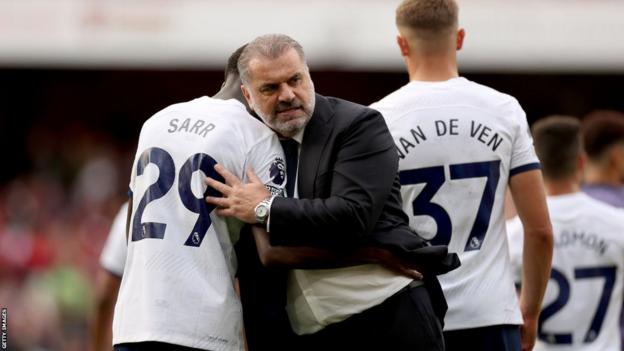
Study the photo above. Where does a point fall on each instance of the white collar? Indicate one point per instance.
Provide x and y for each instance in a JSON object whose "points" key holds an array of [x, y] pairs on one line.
{"points": [[299, 136]]}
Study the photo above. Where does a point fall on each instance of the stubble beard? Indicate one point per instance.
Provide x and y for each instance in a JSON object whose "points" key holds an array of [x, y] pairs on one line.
{"points": [[290, 127]]}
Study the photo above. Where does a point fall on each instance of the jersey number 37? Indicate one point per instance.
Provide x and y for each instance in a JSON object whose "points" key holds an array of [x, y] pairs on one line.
{"points": [[434, 178]]}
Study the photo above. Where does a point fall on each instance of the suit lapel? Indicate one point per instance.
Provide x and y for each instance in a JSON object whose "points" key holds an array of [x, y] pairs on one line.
{"points": [[314, 141]]}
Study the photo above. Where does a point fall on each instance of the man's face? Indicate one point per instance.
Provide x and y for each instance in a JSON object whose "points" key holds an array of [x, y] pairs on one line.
{"points": [[281, 92]]}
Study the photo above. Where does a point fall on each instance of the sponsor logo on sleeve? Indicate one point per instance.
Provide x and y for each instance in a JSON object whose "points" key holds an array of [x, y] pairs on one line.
{"points": [[277, 171]]}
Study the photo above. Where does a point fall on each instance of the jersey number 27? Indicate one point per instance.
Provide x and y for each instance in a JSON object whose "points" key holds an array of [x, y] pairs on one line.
{"points": [[608, 273]]}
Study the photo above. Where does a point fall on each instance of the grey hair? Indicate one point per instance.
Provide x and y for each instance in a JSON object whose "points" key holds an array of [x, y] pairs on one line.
{"points": [[270, 46]]}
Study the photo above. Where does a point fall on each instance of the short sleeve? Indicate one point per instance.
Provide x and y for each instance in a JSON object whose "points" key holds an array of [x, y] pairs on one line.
{"points": [[113, 257], [267, 160], [523, 156]]}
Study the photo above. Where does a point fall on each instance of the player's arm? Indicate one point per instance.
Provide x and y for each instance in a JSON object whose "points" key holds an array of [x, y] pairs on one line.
{"points": [[529, 197], [318, 258], [106, 296], [112, 262]]}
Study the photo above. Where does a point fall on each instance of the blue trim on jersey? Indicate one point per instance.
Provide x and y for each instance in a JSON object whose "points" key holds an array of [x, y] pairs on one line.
{"points": [[527, 167], [130, 193]]}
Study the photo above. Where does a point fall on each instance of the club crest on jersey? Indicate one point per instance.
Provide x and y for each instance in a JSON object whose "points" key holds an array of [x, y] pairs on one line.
{"points": [[277, 171], [196, 239], [475, 243]]}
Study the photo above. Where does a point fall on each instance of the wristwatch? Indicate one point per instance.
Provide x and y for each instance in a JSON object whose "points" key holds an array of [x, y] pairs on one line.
{"points": [[262, 210]]}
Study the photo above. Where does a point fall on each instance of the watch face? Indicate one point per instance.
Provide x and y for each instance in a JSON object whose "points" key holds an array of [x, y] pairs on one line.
{"points": [[261, 211]]}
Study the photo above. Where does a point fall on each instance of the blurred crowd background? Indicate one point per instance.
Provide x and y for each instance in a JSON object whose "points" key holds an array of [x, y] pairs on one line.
{"points": [[70, 118]]}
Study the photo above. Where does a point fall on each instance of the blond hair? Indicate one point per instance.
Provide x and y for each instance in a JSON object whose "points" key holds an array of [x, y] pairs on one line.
{"points": [[428, 19]]}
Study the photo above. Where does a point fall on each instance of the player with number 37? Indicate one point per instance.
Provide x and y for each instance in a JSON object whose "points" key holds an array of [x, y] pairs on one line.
{"points": [[461, 144]]}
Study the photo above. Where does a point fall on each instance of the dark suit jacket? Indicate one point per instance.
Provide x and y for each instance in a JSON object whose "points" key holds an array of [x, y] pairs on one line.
{"points": [[347, 169]]}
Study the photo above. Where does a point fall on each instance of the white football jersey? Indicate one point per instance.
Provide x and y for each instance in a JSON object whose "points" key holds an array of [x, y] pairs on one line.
{"points": [[178, 283], [581, 308], [458, 143], [113, 257]]}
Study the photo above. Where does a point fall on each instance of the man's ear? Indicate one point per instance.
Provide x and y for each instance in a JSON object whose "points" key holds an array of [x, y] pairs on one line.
{"points": [[403, 45], [461, 34], [247, 96]]}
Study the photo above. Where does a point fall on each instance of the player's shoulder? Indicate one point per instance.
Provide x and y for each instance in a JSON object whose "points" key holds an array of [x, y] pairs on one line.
{"points": [[605, 212], [455, 92], [226, 110], [607, 220], [501, 106], [231, 113], [490, 96], [178, 108], [397, 101], [580, 209]]}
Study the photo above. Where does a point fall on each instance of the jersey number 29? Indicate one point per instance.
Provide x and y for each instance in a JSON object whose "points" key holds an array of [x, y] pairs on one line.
{"points": [[166, 176]]}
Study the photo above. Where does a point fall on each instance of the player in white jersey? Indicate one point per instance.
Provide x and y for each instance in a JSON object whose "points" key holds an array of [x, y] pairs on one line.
{"points": [[177, 290], [112, 262], [113, 257], [460, 145], [583, 300]]}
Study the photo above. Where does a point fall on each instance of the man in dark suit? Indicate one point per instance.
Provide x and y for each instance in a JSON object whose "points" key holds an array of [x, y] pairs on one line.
{"points": [[346, 197]]}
